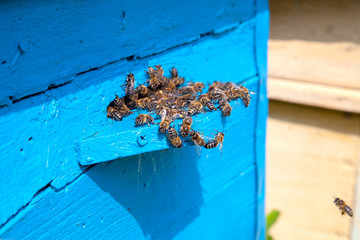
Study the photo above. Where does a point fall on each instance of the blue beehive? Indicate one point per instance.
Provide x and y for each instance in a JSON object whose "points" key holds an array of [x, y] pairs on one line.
{"points": [[61, 65]]}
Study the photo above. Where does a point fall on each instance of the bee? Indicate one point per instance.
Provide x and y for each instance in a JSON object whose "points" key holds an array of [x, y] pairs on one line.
{"points": [[197, 138], [114, 113], [152, 105], [121, 106], [218, 141], [143, 102], [195, 107], [343, 207], [175, 77], [143, 90], [130, 82], [154, 81], [225, 108], [215, 94], [245, 96], [198, 86], [206, 102], [165, 121], [168, 86], [164, 81], [174, 138], [143, 118], [187, 90], [186, 125]]}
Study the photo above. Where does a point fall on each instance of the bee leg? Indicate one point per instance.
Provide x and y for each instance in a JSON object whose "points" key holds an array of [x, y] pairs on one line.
{"points": [[148, 124]]}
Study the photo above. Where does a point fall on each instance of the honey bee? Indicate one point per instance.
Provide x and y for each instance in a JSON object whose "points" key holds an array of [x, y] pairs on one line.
{"points": [[198, 86], [186, 125], [143, 102], [195, 107], [114, 113], [143, 90], [206, 102], [165, 121], [154, 81], [130, 82], [187, 90], [152, 105], [175, 77], [197, 138], [164, 81], [143, 118], [225, 108], [343, 207], [174, 138], [218, 141], [121, 106]]}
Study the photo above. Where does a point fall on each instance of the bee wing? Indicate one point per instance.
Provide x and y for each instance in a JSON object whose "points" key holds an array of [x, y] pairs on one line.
{"points": [[198, 149]]}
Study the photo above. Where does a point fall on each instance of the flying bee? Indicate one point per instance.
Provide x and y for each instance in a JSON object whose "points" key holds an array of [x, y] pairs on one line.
{"points": [[218, 141], [175, 77], [198, 86], [143, 118], [206, 102], [143, 90], [195, 107], [114, 113], [343, 207], [154, 81], [225, 108], [186, 125]]}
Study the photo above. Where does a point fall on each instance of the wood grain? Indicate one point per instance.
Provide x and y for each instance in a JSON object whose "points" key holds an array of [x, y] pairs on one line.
{"points": [[45, 151], [48, 43], [312, 156]]}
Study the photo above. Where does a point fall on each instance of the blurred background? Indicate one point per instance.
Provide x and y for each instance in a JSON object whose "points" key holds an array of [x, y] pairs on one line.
{"points": [[313, 138]]}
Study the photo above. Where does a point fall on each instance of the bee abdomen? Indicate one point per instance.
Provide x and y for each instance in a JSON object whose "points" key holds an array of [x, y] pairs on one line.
{"points": [[348, 210], [211, 144]]}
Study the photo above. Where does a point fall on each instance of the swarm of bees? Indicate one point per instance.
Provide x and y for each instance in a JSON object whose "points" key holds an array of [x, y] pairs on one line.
{"points": [[169, 100]]}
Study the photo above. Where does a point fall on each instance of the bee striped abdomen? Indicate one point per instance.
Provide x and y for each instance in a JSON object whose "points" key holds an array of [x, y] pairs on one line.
{"points": [[211, 144]]}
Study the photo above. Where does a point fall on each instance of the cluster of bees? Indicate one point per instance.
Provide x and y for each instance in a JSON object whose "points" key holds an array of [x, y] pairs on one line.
{"points": [[169, 100]]}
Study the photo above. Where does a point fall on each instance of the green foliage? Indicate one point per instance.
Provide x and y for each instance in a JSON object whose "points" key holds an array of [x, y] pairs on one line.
{"points": [[270, 220]]}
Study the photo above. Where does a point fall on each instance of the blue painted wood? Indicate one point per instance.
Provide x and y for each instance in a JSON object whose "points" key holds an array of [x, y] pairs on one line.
{"points": [[50, 42], [62, 116], [161, 193]]}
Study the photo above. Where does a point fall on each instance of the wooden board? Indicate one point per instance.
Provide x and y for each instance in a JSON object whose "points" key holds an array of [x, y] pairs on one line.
{"points": [[312, 156], [149, 192], [48, 43], [314, 57]]}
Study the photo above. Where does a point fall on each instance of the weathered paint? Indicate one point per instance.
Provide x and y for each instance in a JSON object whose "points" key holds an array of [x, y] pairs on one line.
{"points": [[72, 37], [170, 193]]}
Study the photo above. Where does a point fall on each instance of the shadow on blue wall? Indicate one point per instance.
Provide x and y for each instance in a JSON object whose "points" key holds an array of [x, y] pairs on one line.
{"points": [[161, 190]]}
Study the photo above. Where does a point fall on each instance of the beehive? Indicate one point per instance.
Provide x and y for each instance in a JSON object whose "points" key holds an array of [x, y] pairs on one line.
{"points": [[61, 65]]}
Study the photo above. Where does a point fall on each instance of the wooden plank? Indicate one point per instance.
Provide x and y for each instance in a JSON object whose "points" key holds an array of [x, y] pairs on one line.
{"points": [[306, 145], [172, 194], [313, 94], [49, 42], [39, 132], [333, 64]]}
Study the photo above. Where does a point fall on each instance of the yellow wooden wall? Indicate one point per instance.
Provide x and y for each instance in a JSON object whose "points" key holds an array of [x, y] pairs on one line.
{"points": [[313, 136]]}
